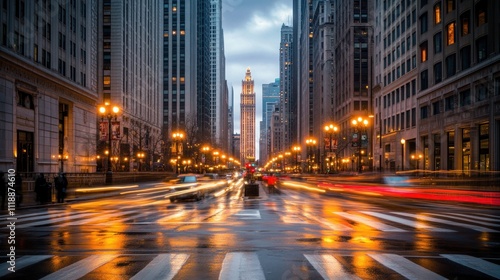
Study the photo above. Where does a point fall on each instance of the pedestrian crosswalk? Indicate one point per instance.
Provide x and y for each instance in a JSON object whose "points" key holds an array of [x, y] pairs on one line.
{"points": [[253, 265], [384, 221]]}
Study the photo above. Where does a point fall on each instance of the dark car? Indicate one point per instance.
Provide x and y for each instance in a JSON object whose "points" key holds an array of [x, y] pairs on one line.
{"points": [[188, 188]]}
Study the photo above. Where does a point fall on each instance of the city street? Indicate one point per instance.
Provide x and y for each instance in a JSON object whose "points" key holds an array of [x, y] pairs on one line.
{"points": [[293, 234]]}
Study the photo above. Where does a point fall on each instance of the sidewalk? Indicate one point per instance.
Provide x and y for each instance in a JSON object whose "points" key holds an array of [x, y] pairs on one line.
{"points": [[73, 194]]}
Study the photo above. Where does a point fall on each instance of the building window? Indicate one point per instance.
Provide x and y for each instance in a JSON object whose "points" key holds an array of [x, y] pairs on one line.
{"points": [[481, 92], [438, 43], [423, 23], [451, 67], [465, 98], [435, 108], [437, 13], [25, 100], [450, 31], [465, 57], [481, 18], [423, 52], [107, 82], [481, 46], [484, 151], [424, 112], [438, 72], [451, 150], [424, 80], [464, 23], [449, 103], [450, 6]]}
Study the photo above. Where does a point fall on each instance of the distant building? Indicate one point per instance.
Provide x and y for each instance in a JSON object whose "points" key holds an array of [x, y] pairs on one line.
{"points": [[287, 105], [48, 85], [270, 101], [247, 142]]}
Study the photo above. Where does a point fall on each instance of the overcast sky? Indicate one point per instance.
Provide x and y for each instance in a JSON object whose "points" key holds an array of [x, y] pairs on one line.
{"points": [[251, 39]]}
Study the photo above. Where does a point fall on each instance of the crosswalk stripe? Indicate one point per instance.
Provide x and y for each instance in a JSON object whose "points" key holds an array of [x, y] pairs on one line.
{"points": [[334, 226], [329, 267], [80, 268], [44, 216], [98, 218], [248, 214], [405, 267], [475, 217], [369, 222], [241, 265], [22, 262], [469, 220], [121, 220], [478, 264], [406, 222], [164, 266], [56, 220], [437, 220]]}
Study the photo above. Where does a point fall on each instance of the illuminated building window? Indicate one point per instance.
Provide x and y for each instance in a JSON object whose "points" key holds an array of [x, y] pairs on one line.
{"points": [[451, 33], [423, 52], [437, 13]]}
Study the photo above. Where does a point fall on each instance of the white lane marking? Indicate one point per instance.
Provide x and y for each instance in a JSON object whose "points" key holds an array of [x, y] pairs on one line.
{"points": [[414, 224], [468, 220], [248, 214], [437, 220], [329, 267], [96, 219], [369, 222], [56, 220], [164, 266], [80, 268], [476, 217], [27, 216], [241, 265], [325, 222], [406, 267], [478, 264], [22, 262]]}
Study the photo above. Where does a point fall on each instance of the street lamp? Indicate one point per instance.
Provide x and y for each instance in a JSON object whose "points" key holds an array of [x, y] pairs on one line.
{"points": [[204, 151], [140, 156], [109, 112], [296, 149], [403, 154], [358, 123], [331, 129], [178, 137], [310, 143]]}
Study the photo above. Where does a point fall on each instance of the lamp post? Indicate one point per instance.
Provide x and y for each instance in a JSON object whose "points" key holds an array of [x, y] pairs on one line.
{"points": [[204, 151], [331, 129], [140, 156], [178, 137], [357, 123], [310, 143], [296, 149], [403, 154], [109, 112]]}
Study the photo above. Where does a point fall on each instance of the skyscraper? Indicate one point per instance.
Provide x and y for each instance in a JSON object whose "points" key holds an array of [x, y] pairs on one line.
{"points": [[270, 101], [130, 48], [288, 116], [48, 86], [247, 145]]}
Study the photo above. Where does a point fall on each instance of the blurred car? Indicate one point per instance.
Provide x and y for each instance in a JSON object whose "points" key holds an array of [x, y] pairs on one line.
{"points": [[186, 185]]}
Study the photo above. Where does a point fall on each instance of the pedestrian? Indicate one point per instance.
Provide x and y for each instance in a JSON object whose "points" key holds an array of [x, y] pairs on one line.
{"points": [[61, 186], [41, 189], [3, 188]]}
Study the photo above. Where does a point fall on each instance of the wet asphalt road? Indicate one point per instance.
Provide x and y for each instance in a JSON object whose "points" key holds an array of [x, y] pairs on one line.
{"points": [[292, 235]]}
